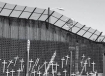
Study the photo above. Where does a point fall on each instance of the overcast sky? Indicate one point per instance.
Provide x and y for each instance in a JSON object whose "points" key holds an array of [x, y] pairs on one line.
{"points": [[87, 12]]}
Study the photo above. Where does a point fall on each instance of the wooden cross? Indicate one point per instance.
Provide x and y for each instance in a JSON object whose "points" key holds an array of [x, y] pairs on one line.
{"points": [[67, 57], [53, 66], [45, 74], [51, 61], [81, 63], [93, 65], [56, 67], [10, 62], [19, 70], [91, 73], [12, 72], [45, 63], [16, 59], [87, 74], [7, 72], [22, 61], [85, 65], [83, 56], [39, 73], [4, 63], [65, 71], [36, 62], [59, 74], [73, 74], [89, 60], [62, 61], [30, 63], [53, 72], [34, 72]]}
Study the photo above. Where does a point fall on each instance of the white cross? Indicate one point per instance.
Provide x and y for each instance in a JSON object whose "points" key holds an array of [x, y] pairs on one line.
{"points": [[12, 72], [30, 63], [34, 72], [81, 63], [51, 61], [19, 70], [89, 61], [45, 63], [4, 63], [93, 65], [53, 72], [65, 71], [16, 59], [59, 74], [85, 65], [62, 61], [95, 72], [53, 57], [83, 56], [73, 74], [22, 61], [87, 74], [53, 67], [46, 73], [67, 57], [56, 67], [10, 62], [39, 73], [36, 63], [91, 73], [7, 72]]}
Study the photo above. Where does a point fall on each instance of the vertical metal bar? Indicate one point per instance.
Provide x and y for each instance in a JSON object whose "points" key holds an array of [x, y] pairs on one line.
{"points": [[98, 36], [86, 31], [49, 16], [92, 34], [48, 19], [80, 29]]}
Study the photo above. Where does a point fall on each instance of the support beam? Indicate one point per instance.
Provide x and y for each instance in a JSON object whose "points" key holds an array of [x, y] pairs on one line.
{"points": [[3, 7], [92, 34], [73, 26], [22, 11], [57, 20], [86, 31], [65, 22], [31, 13], [103, 39], [98, 36], [41, 14], [12, 11], [80, 29]]}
